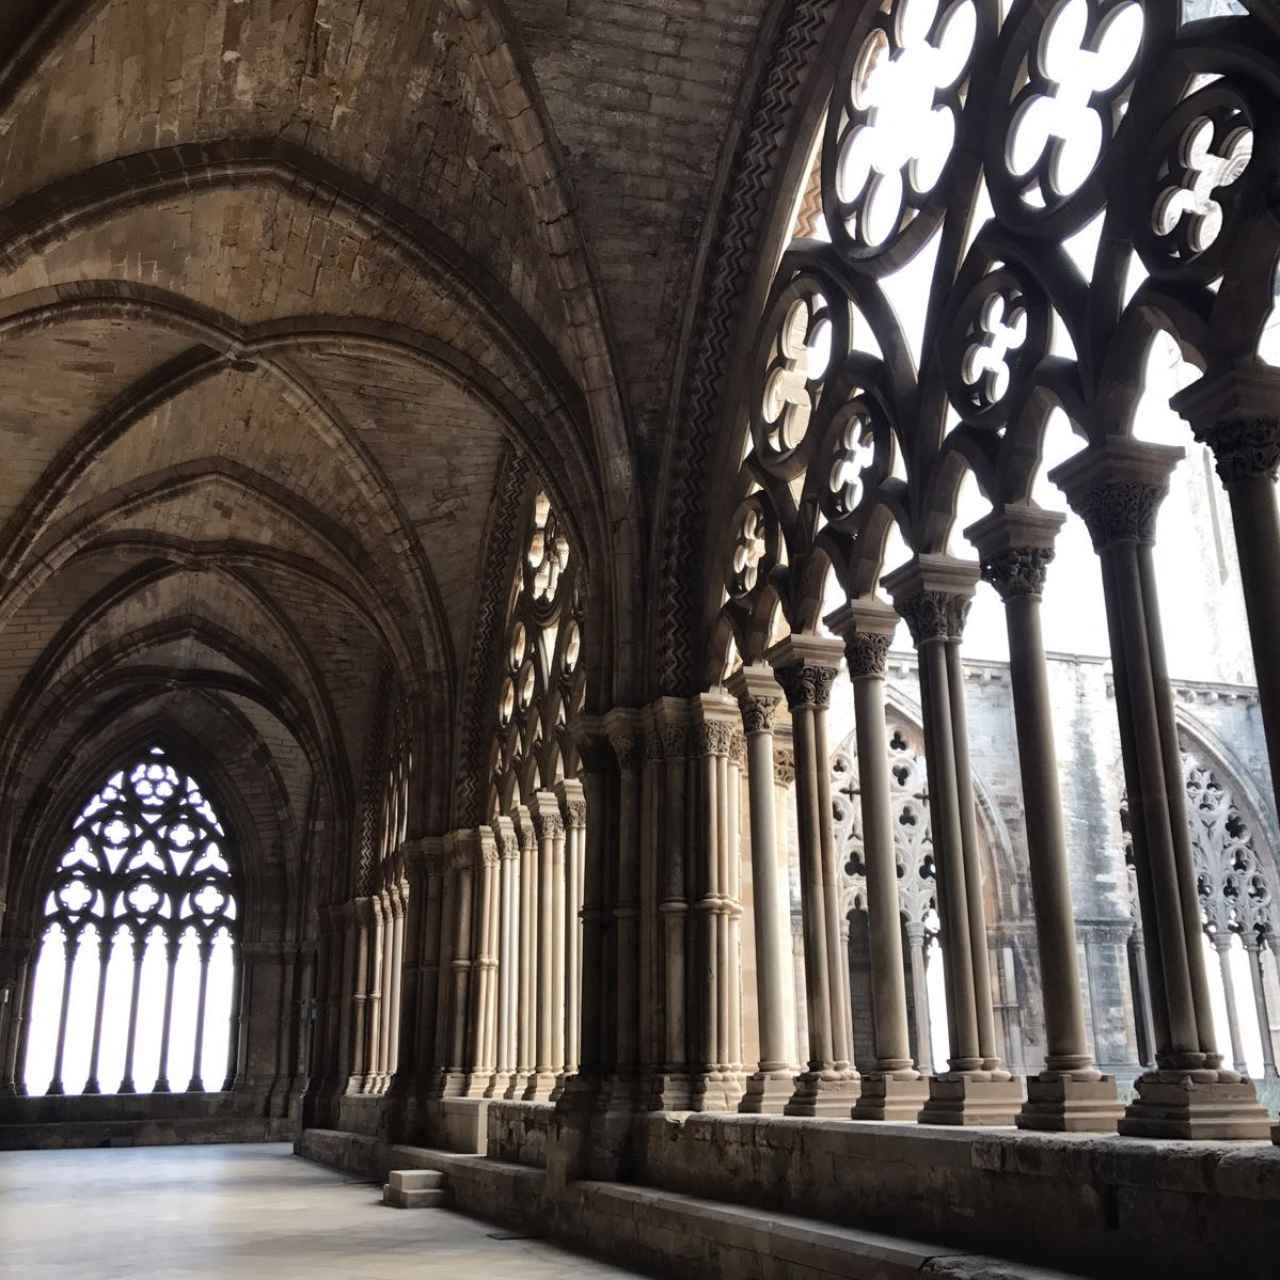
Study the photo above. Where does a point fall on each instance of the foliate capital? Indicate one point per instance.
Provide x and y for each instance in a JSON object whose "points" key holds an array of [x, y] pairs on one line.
{"points": [[807, 685], [867, 653], [1018, 571], [784, 767], [758, 713], [935, 615], [576, 814], [1116, 488], [712, 738], [1244, 448], [738, 748]]}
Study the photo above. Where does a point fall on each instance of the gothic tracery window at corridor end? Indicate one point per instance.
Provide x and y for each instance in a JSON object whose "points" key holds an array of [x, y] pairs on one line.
{"points": [[134, 985]]}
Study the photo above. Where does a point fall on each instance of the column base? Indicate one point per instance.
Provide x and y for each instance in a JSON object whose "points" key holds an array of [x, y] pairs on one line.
{"points": [[962, 1100], [1063, 1104], [716, 1091], [453, 1084], [540, 1086], [1170, 1104], [519, 1083], [824, 1093], [499, 1085], [669, 1091], [767, 1093], [890, 1097], [479, 1085]]}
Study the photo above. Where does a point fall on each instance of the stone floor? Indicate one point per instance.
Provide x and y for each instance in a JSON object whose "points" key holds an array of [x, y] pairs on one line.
{"points": [[194, 1213]]}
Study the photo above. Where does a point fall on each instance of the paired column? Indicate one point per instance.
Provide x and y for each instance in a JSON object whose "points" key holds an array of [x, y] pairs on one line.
{"points": [[483, 1031], [893, 1089], [770, 1086], [427, 1039], [504, 831], [548, 827], [574, 808], [1016, 546], [674, 809], [21, 979], [525, 1018], [460, 846], [716, 1075], [1117, 488], [361, 926], [933, 594], [806, 668]]}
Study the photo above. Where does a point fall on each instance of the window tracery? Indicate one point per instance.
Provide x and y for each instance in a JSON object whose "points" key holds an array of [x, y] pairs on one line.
{"points": [[543, 683], [140, 929], [1014, 198]]}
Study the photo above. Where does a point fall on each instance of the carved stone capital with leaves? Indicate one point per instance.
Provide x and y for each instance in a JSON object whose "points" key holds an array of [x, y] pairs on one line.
{"points": [[807, 685], [867, 653], [758, 712], [1121, 511], [935, 615], [1244, 448], [1018, 571], [712, 738], [784, 766]]}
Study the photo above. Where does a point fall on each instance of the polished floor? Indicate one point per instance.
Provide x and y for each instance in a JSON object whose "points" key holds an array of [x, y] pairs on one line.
{"points": [[195, 1213]]}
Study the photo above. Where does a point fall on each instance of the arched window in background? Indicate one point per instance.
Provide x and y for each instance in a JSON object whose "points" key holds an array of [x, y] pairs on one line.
{"points": [[135, 979]]}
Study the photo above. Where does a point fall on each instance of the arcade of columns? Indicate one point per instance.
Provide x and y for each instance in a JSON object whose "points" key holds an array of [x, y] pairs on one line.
{"points": [[595, 934]]}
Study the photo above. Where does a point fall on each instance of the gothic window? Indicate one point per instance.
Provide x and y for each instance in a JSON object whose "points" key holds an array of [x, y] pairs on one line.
{"points": [[543, 683], [135, 977]]}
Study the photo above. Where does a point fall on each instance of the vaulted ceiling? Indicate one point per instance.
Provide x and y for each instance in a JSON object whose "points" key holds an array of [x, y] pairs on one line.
{"points": [[282, 283]]}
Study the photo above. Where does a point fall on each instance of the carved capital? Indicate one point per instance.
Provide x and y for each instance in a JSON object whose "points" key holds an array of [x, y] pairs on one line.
{"points": [[758, 712], [867, 653], [712, 738], [1018, 571], [576, 814], [1121, 511], [807, 684], [784, 767], [935, 615], [738, 748], [1244, 448]]}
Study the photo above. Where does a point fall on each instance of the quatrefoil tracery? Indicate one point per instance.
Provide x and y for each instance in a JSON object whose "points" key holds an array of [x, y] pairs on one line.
{"points": [[1064, 116], [888, 148]]}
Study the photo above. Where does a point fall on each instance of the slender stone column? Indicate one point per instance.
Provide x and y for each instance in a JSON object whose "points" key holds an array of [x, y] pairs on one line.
{"points": [[933, 593], [770, 1087], [526, 1022], [196, 1084], [344, 916], [920, 996], [362, 920], [1117, 488], [504, 831], [21, 982], [559, 930], [91, 1085], [894, 1089], [484, 971], [731, 916], [1016, 546], [1255, 954], [714, 1083], [573, 807], [806, 668], [412, 888], [373, 1079], [595, 1044], [549, 829], [1146, 1033], [625, 730], [399, 899], [427, 1041], [462, 858], [1222, 945], [670, 1084]]}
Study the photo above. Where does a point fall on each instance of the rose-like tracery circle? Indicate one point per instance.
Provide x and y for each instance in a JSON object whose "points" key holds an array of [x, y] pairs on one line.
{"points": [[889, 141]]}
